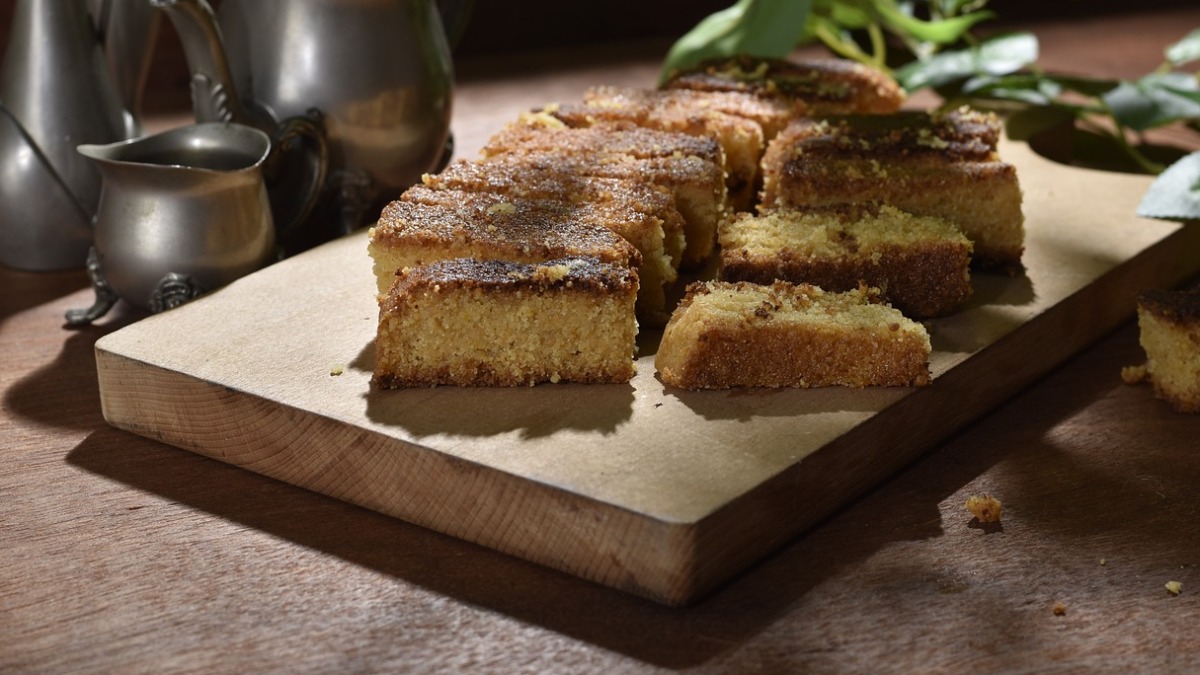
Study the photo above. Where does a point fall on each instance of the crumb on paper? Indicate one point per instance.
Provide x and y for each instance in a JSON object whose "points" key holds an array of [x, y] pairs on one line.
{"points": [[337, 370], [1060, 609], [985, 508], [1134, 374], [1174, 587]]}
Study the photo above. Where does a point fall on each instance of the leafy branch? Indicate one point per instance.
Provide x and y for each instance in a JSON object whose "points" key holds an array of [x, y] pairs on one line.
{"points": [[933, 43]]}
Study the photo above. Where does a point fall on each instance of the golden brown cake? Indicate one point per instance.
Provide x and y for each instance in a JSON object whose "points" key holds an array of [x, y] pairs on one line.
{"points": [[642, 230], [942, 165], [519, 177], [691, 167], [473, 323], [822, 86], [409, 234], [682, 111], [919, 263], [789, 335], [1169, 325]]}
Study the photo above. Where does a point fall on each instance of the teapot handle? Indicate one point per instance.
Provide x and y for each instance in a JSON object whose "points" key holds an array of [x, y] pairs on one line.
{"points": [[309, 127]]}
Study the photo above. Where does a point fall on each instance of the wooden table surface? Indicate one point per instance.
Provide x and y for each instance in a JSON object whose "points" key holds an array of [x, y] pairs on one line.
{"points": [[121, 554]]}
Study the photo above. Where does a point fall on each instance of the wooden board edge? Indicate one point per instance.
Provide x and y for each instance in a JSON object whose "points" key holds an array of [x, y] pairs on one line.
{"points": [[541, 523]]}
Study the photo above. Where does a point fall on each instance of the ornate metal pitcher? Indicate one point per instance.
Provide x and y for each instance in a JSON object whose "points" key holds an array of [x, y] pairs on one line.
{"points": [[181, 212], [378, 71]]}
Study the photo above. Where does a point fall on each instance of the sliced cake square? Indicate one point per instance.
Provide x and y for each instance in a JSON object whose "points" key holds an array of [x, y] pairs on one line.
{"points": [[691, 167], [1169, 325], [942, 165], [682, 111], [644, 231], [409, 234], [470, 322], [789, 335]]}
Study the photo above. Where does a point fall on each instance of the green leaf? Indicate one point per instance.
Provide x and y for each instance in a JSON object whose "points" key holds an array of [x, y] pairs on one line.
{"points": [[1155, 100], [1187, 49], [940, 31], [767, 28], [1032, 89], [847, 15], [1175, 194], [1000, 55]]}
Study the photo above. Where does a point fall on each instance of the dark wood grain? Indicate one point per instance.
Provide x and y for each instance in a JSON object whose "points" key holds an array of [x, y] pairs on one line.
{"points": [[121, 554]]}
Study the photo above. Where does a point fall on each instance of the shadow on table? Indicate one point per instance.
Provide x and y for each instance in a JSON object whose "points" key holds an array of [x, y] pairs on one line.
{"points": [[38, 395], [904, 509]]}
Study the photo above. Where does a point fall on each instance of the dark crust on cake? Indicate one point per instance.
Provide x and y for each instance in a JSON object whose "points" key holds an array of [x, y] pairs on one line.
{"points": [[602, 140], [580, 275], [825, 85], [772, 114], [486, 376], [1180, 307], [922, 283], [536, 230], [518, 177], [957, 135]]}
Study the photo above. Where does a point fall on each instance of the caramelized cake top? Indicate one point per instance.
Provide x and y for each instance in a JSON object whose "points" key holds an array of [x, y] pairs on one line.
{"points": [[958, 135], [544, 132], [580, 274], [824, 85], [532, 226], [1177, 307]]}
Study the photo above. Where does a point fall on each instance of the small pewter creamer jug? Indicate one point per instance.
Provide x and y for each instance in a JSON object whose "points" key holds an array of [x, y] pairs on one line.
{"points": [[181, 212], [67, 78], [378, 72]]}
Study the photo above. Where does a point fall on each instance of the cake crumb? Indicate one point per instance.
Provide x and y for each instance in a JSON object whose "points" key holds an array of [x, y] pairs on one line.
{"points": [[1174, 587], [985, 508], [337, 370], [1103, 562], [1060, 609], [1134, 374]]}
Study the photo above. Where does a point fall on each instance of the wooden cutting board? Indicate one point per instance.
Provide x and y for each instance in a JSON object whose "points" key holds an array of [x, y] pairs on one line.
{"points": [[654, 491]]}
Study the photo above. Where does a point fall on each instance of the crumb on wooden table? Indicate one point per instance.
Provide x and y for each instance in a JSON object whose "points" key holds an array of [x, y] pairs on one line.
{"points": [[1134, 374], [985, 508], [1174, 587], [1060, 609]]}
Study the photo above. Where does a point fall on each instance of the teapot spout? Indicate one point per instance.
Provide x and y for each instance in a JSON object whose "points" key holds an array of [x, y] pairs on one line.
{"points": [[214, 96]]}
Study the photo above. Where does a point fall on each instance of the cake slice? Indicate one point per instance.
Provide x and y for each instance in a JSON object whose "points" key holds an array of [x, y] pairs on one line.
{"points": [[470, 322], [741, 138], [820, 86], [409, 234], [941, 165], [1169, 325], [644, 231], [691, 167], [789, 335], [920, 264], [514, 176]]}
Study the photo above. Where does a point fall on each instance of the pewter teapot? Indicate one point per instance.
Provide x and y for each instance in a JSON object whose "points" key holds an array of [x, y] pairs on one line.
{"points": [[72, 73], [378, 73]]}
